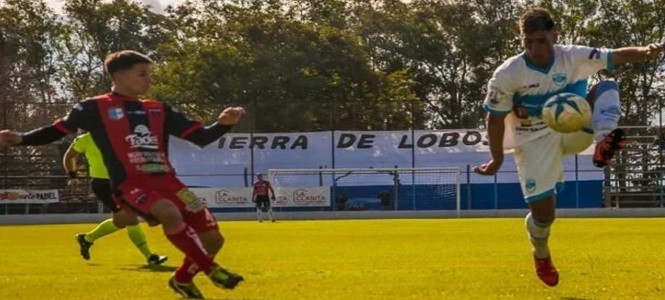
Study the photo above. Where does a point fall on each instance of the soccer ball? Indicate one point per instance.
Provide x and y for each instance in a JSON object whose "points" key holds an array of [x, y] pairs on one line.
{"points": [[566, 112]]}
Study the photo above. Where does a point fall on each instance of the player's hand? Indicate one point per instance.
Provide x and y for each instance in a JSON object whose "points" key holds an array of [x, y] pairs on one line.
{"points": [[272, 198], [9, 138], [231, 115], [72, 183], [654, 49], [489, 168]]}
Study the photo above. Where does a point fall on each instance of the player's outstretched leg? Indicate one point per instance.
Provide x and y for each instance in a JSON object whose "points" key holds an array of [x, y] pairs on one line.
{"points": [[605, 119], [224, 279], [186, 290]]}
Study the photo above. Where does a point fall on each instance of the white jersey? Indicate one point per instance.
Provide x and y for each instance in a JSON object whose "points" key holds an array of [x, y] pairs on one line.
{"points": [[518, 82]]}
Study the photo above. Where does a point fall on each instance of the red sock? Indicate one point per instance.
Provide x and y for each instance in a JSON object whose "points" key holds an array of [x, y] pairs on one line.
{"points": [[187, 270], [188, 242]]}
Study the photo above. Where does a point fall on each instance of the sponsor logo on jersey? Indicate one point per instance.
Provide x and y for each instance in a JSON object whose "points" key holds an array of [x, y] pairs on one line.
{"points": [[115, 113], [142, 138], [559, 78]]}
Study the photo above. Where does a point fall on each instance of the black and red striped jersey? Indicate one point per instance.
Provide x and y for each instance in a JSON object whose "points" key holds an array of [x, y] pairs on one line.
{"points": [[261, 188], [132, 134]]}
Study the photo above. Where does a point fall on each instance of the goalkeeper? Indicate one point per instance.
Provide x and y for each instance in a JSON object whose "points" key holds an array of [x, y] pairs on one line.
{"points": [[260, 197]]}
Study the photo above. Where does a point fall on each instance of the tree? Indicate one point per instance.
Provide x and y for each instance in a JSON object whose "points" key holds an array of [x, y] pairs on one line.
{"points": [[290, 71], [98, 28]]}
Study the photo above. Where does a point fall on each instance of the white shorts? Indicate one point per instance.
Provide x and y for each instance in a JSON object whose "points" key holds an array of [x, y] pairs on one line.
{"points": [[540, 162]]}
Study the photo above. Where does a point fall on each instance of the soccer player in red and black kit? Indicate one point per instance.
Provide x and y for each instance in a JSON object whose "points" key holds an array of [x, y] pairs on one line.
{"points": [[260, 197], [132, 135]]}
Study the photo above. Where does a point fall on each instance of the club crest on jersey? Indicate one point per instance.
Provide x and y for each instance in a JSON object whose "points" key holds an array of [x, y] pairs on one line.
{"points": [[559, 78], [115, 113], [530, 185], [142, 138]]}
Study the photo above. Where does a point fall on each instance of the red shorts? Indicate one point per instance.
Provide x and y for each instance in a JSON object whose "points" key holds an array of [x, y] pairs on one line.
{"points": [[140, 194]]}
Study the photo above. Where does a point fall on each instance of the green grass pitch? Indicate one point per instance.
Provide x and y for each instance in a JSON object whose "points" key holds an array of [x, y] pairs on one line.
{"points": [[351, 259]]}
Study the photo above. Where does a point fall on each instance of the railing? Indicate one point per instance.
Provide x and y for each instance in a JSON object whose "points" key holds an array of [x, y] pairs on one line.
{"points": [[636, 178]]}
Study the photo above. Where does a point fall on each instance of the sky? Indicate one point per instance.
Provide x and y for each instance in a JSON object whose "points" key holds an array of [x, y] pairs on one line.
{"points": [[157, 5]]}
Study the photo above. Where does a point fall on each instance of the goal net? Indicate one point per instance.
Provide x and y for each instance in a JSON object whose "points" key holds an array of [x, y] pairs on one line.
{"points": [[375, 188]]}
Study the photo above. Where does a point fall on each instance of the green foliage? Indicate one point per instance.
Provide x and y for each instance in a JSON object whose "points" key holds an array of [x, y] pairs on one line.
{"points": [[304, 65]]}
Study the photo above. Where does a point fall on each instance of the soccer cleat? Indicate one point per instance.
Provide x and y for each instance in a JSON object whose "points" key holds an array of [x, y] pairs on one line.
{"points": [[84, 245], [546, 271], [155, 259], [608, 146], [224, 279], [186, 290]]}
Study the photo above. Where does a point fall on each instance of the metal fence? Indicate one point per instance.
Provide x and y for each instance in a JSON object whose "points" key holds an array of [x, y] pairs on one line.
{"points": [[41, 167]]}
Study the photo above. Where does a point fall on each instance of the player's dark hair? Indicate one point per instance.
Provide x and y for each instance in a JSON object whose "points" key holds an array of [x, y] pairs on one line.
{"points": [[124, 60], [536, 19]]}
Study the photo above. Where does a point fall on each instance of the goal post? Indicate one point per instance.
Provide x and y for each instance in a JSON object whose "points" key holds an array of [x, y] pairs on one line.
{"points": [[431, 188]]}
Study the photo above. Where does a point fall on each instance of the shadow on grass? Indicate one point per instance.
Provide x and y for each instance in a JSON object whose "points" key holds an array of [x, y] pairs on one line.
{"points": [[150, 268]]}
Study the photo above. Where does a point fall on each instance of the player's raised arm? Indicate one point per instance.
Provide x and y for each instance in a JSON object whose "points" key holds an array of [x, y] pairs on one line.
{"points": [[179, 125], [231, 116], [634, 54], [40, 136], [9, 138]]}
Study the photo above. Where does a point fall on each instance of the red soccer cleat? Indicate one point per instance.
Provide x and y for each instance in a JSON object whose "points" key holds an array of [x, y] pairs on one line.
{"points": [[608, 146], [546, 271]]}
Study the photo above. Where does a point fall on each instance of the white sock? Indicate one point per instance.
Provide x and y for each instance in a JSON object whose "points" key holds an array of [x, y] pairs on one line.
{"points": [[258, 214], [272, 217], [606, 109], [539, 234]]}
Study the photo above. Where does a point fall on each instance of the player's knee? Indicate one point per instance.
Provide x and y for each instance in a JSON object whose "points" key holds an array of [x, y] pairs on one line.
{"points": [[123, 218], [166, 212], [600, 88]]}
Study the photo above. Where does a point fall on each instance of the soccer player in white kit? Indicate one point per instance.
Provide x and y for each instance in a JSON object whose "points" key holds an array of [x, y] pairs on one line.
{"points": [[515, 96]]}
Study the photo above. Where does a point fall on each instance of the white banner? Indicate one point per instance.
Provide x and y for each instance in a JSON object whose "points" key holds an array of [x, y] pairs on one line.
{"points": [[299, 197], [284, 197], [28, 196], [225, 197], [229, 161]]}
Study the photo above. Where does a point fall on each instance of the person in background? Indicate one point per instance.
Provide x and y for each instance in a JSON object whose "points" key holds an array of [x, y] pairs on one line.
{"points": [[261, 187], [101, 187]]}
